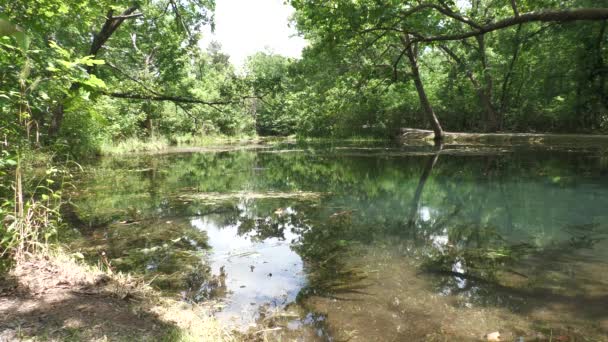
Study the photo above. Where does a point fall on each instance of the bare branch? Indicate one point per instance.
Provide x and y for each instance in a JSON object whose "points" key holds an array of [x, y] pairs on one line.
{"points": [[396, 63]]}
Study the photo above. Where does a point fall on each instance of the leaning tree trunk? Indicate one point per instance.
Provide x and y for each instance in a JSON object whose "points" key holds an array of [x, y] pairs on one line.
{"points": [[424, 100], [111, 24]]}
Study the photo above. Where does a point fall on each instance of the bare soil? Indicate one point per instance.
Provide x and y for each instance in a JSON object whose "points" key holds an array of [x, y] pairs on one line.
{"points": [[43, 299]]}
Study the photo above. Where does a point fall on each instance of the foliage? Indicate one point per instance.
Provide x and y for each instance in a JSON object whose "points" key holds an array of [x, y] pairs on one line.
{"points": [[145, 75], [269, 79], [30, 207], [523, 77]]}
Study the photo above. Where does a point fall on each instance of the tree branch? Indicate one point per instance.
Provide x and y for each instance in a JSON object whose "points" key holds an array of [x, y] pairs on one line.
{"points": [[542, 16], [178, 99], [130, 16], [444, 10], [108, 28], [514, 7]]}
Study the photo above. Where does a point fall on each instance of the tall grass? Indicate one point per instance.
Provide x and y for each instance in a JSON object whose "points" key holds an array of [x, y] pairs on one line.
{"points": [[35, 216], [206, 139], [131, 145], [161, 143]]}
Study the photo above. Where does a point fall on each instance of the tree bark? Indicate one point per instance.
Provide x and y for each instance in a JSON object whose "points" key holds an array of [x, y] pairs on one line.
{"points": [[424, 101], [514, 7], [56, 120], [601, 68]]}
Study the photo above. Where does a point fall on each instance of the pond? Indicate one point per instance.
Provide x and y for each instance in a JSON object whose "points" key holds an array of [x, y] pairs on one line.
{"points": [[363, 242]]}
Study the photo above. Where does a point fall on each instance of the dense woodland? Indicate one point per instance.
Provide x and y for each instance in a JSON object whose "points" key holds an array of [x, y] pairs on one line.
{"points": [[78, 73]]}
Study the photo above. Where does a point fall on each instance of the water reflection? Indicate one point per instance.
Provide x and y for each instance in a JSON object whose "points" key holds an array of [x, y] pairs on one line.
{"points": [[258, 271], [365, 244]]}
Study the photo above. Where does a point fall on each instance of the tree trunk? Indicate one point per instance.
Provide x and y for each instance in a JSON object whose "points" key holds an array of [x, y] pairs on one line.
{"points": [[484, 91], [424, 101], [111, 24], [601, 69], [149, 126], [504, 98], [493, 118], [56, 120]]}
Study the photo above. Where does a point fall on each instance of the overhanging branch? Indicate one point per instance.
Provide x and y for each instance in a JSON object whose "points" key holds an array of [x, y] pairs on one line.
{"points": [[177, 99], [541, 16], [129, 16]]}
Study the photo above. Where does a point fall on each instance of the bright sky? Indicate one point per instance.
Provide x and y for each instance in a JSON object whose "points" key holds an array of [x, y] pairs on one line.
{"points": [[244, 27]]}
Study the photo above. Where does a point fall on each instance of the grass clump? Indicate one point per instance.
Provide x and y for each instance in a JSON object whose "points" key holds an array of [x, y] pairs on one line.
{"points": [[207, 140], [161, 143], [131, 145]]}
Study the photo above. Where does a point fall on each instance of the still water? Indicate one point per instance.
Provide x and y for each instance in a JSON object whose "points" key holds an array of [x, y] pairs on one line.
{"points": [[364, 242]]}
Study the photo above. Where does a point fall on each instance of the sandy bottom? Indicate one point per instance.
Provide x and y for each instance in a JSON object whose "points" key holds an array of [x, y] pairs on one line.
{"points": [[399, 303]]}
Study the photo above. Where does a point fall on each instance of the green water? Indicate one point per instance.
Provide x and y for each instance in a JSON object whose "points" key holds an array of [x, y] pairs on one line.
{"points": [[364, 243]]}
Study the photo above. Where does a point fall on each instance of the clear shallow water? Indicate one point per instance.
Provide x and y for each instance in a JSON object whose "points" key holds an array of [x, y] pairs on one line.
{"points": [[258, 272], [365, 242]]}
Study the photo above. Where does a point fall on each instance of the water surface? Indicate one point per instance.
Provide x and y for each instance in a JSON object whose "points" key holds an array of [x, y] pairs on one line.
{"points": [[364, 243]]}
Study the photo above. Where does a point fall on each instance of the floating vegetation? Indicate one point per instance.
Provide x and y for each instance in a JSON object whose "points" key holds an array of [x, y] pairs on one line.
{"points": [[216, 196]]}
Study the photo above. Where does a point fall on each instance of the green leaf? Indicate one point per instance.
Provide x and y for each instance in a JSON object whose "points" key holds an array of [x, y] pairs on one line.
{"points": [[89, 61], [66, 64], [63, 52], [95, 82]]}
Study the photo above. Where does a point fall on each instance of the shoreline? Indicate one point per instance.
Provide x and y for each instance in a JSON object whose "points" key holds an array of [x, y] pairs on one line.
{"points": [[53, 296], [409, 135]]}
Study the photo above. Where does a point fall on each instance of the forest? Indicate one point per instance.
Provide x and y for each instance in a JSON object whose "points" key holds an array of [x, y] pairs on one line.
{"points": [[80, 79], [135, 70]]}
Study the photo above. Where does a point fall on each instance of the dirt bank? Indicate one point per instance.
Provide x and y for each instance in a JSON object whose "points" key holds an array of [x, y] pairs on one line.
{"points": [[57, 299]]}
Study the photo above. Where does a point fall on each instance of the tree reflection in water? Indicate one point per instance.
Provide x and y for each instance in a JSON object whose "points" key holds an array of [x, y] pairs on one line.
{"points": [[493, 229]]}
